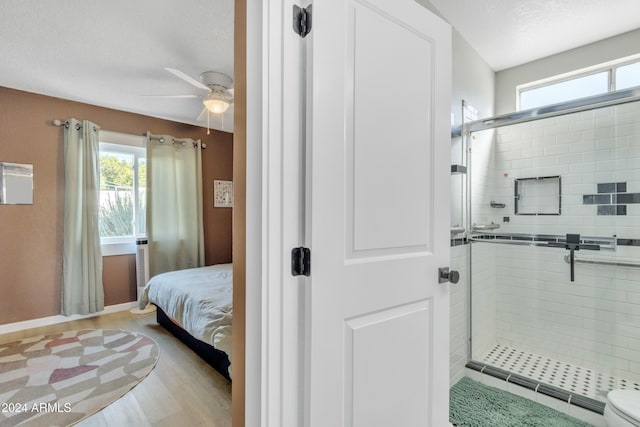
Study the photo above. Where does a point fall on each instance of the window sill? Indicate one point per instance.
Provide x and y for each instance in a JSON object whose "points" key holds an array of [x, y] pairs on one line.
{"points": [[123, 248]]}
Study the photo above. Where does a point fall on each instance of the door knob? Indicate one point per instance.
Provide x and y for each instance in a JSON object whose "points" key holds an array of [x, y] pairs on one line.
{"points": [[444, 275]]}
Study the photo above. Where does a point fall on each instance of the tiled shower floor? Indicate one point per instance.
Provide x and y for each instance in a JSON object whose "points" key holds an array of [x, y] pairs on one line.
{"points": [[572, 378]]}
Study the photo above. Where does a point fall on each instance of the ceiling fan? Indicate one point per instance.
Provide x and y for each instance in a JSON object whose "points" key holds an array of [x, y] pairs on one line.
{"points": [[219, 94]]}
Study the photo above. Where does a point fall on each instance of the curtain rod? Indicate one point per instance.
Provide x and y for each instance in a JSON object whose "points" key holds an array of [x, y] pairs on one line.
{"points": [[182, 141], [65, 123]]}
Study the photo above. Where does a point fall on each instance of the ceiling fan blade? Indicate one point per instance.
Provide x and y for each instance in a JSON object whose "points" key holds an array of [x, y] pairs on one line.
{"points": [[187, 78], [202, 117], [171, 96]]}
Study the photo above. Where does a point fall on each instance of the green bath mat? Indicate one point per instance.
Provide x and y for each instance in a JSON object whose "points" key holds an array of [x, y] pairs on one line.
{"points": [[473, 404]]}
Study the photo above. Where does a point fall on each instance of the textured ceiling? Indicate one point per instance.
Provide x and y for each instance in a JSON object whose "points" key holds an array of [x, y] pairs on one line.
{"points": [[113, 52], [507, 33]]}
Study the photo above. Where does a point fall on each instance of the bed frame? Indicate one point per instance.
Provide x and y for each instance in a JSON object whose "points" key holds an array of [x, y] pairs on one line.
{"points": [[214, 357]]}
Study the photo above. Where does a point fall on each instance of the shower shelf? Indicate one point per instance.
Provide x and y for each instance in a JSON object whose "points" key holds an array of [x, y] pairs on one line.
{"points": [[605, 243], [484, 227], [456, 229]]}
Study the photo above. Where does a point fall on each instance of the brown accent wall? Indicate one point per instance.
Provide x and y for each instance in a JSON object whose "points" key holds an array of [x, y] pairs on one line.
{"points": [[217, 165], [31, 236], [117, 271]]}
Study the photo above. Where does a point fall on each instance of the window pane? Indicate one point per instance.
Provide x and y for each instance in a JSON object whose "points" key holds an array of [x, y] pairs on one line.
{"points": [[628, 76], [580, 87], [116, 194]]}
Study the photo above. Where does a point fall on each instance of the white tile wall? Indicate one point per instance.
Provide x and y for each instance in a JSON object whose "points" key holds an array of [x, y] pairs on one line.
{"points": [[522, 296], [483, 299], [458, 318], [572, 147], [483, 155]]}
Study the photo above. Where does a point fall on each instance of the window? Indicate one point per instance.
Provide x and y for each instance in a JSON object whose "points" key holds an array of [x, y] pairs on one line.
{"points": [[604, 78], [628, 76], [580, 87], [122, 192]]}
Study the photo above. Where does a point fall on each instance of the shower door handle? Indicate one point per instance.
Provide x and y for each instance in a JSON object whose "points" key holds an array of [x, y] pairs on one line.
{"points": [[444, 275]]}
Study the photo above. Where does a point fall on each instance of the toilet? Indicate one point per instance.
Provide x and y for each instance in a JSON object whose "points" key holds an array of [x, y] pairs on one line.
{"points": [[623, 408]]}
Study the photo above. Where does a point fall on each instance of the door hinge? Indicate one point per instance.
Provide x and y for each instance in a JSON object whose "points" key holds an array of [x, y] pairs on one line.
{"points": [[301, 261], [302, 20]]}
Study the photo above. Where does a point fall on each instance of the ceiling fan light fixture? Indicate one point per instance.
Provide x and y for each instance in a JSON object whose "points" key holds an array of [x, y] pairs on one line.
{"points": [[216, 103]]}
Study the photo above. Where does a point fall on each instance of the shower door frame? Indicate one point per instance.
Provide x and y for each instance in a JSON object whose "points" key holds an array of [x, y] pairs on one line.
{"points": [[555, 110]]}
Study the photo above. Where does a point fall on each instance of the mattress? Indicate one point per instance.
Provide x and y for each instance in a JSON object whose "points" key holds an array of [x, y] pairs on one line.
{"points": [[199, 300]]}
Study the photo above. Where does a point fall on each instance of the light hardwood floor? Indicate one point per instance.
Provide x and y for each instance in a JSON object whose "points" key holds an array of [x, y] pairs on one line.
{"points": [[182, 390]]}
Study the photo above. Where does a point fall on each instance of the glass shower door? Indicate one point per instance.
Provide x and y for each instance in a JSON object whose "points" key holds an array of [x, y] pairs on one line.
{"points": [[540, 190]]}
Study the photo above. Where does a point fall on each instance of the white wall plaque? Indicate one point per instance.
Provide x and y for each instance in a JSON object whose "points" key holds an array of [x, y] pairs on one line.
{"points": [[222, 194]]}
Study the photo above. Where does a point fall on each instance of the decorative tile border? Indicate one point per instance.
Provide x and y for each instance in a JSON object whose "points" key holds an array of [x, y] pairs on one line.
{"points": [[612, 187], [628, 242], [612, 209], [460, 241], [612, 198], [543, 239]]}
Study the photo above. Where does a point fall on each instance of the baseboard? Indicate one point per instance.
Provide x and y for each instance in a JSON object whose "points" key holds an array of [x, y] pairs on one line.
{"points": [[52, 320]]}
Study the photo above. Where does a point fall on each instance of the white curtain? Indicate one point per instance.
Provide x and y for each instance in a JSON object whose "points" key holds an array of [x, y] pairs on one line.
{"points": [[174, 203], [82, 291]]}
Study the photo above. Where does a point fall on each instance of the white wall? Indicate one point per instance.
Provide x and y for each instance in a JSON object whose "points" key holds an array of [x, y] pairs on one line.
{"points": [[474, 82], [596, 53], [473, 79]]}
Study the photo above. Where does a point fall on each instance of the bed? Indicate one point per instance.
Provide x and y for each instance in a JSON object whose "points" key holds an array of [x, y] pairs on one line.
{"points": [[195, 305]]}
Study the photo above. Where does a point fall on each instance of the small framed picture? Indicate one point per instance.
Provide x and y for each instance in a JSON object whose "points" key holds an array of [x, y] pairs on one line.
{"points": [[222, 194]]}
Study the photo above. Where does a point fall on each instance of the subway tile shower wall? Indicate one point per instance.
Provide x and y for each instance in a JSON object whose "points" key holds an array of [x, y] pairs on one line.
{"points": [[594, 321], [458, 309], [591, 151]]}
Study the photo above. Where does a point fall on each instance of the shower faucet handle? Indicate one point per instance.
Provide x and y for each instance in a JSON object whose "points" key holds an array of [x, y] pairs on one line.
{"points": [[444, 275], [573, 240], [572, 244]]}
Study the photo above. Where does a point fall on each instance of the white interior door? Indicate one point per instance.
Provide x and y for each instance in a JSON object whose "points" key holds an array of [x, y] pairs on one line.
{"points": [[378, 215]]}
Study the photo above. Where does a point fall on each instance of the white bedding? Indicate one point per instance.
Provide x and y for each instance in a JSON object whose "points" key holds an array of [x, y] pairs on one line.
{"points": [[199, 299]]}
